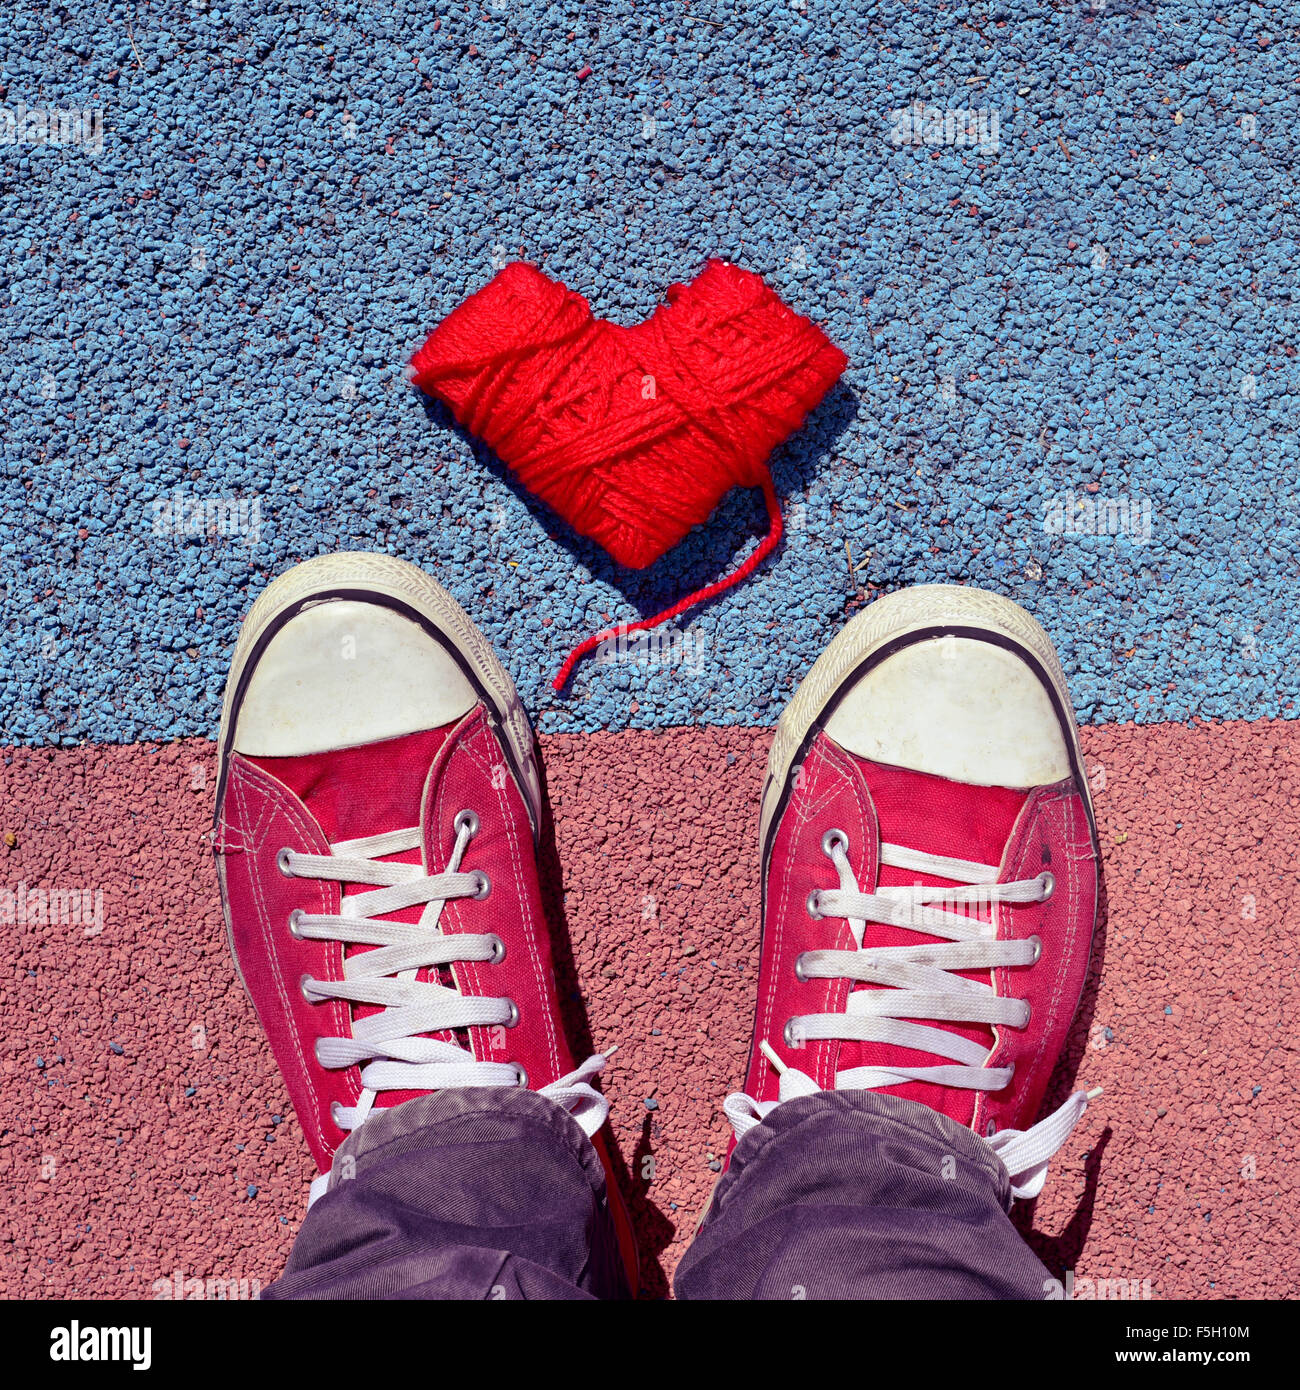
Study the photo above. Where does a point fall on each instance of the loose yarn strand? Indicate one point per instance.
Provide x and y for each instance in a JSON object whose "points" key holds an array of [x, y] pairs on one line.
{"points": [[765, 547]]}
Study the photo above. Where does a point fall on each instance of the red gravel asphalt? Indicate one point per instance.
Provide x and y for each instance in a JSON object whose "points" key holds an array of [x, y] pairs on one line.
{"points": [[1182, 1174]]}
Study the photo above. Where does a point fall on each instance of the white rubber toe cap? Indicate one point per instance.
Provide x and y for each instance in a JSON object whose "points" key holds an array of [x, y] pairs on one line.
{"points": [[343, 673], [958, 708]]}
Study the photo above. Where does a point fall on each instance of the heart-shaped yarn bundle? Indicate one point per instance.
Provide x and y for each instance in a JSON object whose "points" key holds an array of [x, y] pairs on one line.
{"points": [[633, 435]]}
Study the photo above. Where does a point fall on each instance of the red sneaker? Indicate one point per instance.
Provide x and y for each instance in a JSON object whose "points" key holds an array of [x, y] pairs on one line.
{"points": [[929, 874], [378, 806]]}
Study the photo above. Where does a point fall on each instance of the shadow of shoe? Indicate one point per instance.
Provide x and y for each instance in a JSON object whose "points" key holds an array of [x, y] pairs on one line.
{"points": [[1060, 1253], [652, 1229]]}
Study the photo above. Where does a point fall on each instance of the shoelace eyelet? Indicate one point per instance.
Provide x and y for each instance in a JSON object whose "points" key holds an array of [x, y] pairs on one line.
{"points": [[513, 1020], [302, 988], [295, 924], [991, 1127], [1037, 942], [798, 969], [466, 820], [813, 904], [282, 863], [484, 885], [335, 1107], [793, 1036], [1048, 879], [521, 1075], [833, 839], [1029, 1013], [498, 949]]}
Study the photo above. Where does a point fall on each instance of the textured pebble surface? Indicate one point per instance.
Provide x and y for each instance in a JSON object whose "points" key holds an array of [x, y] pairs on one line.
{"points": [[219, 303], [124, 1168], [215, 304]]}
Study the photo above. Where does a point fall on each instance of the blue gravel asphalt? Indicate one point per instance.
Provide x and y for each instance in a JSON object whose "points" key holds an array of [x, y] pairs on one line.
{"points": [[215, 298]]}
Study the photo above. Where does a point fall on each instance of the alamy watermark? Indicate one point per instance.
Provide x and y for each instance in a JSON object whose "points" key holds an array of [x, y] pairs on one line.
{"points": [[179, 516], [22, 125], [958, 126], [211, 1288], [53, 907], [74, 1342], [664, 646], [1084, 1287], [1081, 514]]}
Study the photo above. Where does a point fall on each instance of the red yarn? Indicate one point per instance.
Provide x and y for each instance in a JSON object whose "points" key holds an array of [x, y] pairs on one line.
{"points": [[633, 435]]}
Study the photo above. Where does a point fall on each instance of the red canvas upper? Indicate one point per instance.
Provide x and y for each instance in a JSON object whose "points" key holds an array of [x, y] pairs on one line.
{"points": [[306, 803], [1022, 831]]}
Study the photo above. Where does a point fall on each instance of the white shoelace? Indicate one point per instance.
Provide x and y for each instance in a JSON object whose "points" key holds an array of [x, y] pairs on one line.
{"points": [[388, 1045], [921, 982]]}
